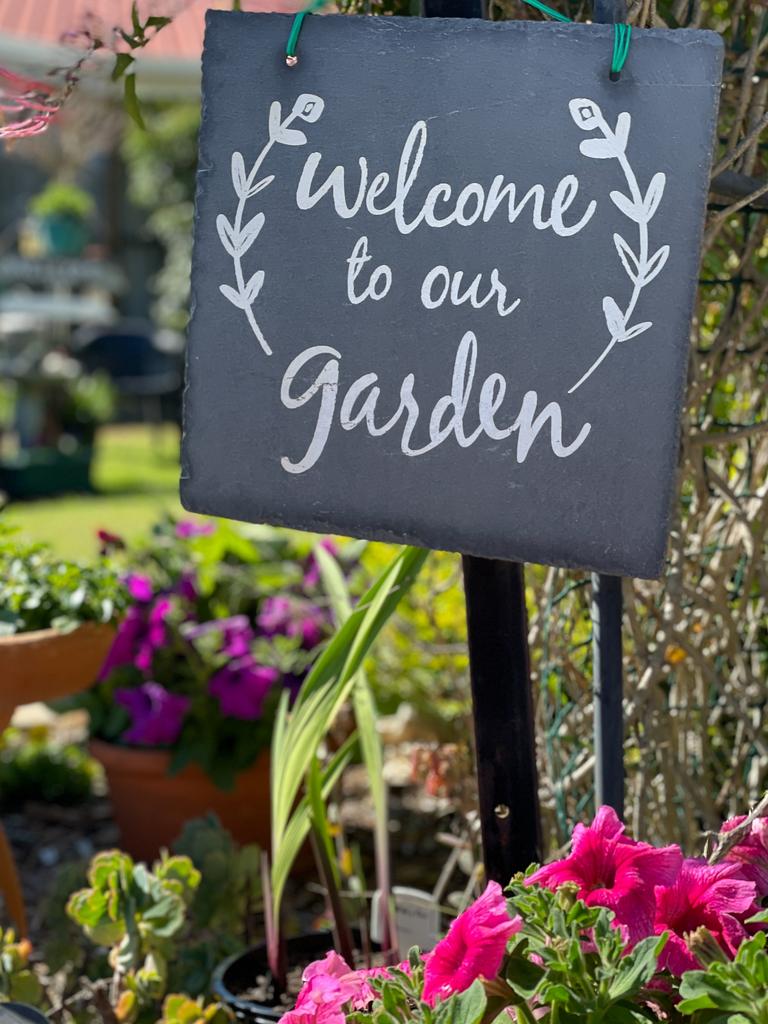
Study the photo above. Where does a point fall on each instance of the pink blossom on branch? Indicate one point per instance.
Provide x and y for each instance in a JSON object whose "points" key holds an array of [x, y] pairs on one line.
{"points": [[473, 948], [614, 871], [712, 896]]}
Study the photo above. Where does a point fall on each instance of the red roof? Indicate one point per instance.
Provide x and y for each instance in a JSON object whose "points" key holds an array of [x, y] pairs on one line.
{"points": [[49, 21]]}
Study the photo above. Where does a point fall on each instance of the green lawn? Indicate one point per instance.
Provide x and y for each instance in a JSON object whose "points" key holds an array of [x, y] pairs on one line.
{"points": [[136, 479]]}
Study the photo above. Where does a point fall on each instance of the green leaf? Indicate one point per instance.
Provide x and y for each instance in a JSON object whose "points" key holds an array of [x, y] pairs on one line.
{"points": [[467, 1007], [131, 101], [138, 28], [122, 62], [297, 735], [523, 975], [637, 968]]}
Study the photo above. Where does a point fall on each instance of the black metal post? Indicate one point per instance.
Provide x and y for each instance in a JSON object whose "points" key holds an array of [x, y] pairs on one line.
{"points": [[497, 627], [608, 691], [505, 746], [606, 622]]}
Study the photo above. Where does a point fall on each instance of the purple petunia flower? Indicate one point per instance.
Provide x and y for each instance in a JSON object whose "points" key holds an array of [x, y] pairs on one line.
{"points": [[312, 573], [157, 715], [188, 528], [241, 688], [129, 633], [236, 634], [187, 586], [285, 616]]}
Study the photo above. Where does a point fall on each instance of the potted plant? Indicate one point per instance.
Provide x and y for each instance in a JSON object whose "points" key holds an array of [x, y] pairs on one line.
{"points": [[617, 932], [220, 625], [68, 406], [59, 217], [301, 784], [55, 622]]}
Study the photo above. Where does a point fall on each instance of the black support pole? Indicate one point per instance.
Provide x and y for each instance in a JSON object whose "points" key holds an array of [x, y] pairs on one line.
{"points": [[608, 691], [497, 627], [606, 622]]}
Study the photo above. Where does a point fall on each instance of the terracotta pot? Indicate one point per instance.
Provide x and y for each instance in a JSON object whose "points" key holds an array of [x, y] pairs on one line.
{"points": [[47, 664], [151, 807]]}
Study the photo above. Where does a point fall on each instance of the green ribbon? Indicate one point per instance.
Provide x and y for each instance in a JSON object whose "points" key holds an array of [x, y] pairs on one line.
{"points": [[622, 34]]}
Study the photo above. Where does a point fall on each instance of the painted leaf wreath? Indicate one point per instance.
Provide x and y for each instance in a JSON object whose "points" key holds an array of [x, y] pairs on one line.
{"points": [[641, 267], [238, 237]]}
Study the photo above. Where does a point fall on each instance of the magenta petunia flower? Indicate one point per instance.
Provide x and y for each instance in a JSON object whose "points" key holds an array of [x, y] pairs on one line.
{"points": [[612, 870], [285, 616], [702, 894], [751, 853], [157, 715], [186, 529], [474, 946], [140, 587], [329, 986], [241, 688], [154, 637]]}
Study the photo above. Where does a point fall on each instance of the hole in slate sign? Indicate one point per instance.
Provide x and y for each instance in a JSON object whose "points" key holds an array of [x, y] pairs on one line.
{"points": [[501, 811]]}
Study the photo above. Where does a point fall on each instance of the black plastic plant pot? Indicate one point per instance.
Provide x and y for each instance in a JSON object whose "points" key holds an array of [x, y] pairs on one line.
{"points": [[19, 1013], [235, 977]]}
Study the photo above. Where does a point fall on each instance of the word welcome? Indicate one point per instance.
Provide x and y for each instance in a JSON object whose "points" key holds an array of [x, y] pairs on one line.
{"points": [[472, 204], [360, 401]]}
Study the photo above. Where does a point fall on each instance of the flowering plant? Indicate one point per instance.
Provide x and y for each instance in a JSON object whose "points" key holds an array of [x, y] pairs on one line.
{"points": [[616, 932], [219, 623]]}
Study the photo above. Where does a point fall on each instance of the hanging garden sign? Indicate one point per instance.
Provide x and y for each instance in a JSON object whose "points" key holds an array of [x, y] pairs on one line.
{"points": [[443, 280]]}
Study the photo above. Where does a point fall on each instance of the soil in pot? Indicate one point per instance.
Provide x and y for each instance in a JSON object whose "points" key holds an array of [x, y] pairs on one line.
{"points": [[244, 983]]}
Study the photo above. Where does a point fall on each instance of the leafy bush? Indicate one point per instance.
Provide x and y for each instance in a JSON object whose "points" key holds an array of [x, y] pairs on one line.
{"points": [[62, 200], [38, 590], [18, 982], [36, 769], [139, 914]]}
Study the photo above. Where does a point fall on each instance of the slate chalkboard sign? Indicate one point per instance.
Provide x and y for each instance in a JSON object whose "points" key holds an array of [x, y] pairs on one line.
{"points": [[442, 282]]}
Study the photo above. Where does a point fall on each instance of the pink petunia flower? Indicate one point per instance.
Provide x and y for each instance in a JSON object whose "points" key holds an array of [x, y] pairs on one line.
{"points": [[330, 984], [614, 871], [751, 853], [474, 946], [702, 894]]}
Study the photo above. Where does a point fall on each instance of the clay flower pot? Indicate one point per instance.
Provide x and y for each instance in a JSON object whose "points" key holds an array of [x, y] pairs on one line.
{"points": [[46, 664], [151, 807]]}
